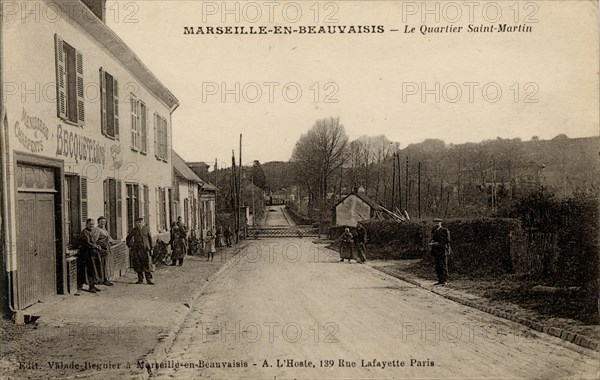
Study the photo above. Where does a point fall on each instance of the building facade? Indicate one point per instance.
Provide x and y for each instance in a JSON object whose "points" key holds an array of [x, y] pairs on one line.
{"points": [[86, 133], [352, 209], [194, 199], [186, 185]]}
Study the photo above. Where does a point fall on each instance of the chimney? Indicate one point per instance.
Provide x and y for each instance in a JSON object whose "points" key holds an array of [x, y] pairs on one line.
{"points": [[200, 169], [98, 7]]}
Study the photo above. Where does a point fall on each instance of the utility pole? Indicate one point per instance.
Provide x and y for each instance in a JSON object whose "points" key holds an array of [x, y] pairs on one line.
{"points": [[399, 181], [419, 189], [494, 200], [216, 168], [407, 186], [234, 200], [393, 181], [253, 205], [240, 185]]}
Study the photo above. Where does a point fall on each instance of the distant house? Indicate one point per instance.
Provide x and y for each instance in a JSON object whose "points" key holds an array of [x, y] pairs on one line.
{"points": [[193, 198], [186, 185], [352, 208]]}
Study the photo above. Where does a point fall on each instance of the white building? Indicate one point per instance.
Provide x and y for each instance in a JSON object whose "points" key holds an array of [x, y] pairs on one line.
{"points": [[86, 132]]}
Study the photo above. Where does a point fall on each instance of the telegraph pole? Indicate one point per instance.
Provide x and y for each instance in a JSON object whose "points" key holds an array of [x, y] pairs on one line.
{"points": [[419, 189], [407, 186], [393, 182], [399, 181], [240, 186], [234, 200]]}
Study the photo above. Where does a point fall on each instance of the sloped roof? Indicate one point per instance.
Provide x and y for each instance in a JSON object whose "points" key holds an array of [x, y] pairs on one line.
{"points": [[374, 205], [208, 186], [183, 170]]}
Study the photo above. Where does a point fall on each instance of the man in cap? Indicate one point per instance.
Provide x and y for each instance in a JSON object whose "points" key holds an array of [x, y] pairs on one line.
{"points": [[139, 242], [440, 249]]}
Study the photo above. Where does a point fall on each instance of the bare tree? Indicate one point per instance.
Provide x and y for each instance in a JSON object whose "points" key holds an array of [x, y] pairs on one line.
{"points": [[318, 154]]}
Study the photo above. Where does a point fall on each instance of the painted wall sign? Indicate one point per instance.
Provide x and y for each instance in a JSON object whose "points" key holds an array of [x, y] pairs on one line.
{"points": [[70, 144], [35, 144], [117, 157]]}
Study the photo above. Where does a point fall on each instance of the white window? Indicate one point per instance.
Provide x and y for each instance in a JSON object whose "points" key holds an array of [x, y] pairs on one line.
{"points": [[135, 130]]}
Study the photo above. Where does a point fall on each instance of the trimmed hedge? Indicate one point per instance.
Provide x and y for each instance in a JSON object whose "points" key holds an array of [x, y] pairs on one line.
{"points": [[480, 246], [388, 239], [297, 217]]}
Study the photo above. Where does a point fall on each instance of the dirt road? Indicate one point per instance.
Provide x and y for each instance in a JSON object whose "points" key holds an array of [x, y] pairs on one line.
{"points": [[290, 309], [276, 216]]}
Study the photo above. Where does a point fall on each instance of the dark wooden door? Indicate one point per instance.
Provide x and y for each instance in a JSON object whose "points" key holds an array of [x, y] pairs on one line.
{"points": [[36, 247]]}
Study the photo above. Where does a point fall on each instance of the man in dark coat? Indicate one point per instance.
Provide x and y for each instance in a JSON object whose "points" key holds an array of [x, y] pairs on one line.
{"points": [[440, 249], [89, 254], [179, 243], [361, 241], [139, 242], [227, 233]]}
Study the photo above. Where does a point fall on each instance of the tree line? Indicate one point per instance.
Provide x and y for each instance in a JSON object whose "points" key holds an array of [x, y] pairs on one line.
{"points": [[433, 178]]}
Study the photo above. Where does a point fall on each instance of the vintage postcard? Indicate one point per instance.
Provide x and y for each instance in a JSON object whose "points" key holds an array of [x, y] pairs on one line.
{"points": [[302, 189]]}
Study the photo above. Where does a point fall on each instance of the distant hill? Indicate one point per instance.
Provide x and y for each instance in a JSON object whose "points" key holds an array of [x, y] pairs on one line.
{"points": [[570, 164]]}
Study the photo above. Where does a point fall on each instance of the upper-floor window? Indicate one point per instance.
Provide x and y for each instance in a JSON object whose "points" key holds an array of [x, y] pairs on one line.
{"points": [[143, 124], [139, 128], [161, 137], [69, 82], [109, 87], [135, 131]]}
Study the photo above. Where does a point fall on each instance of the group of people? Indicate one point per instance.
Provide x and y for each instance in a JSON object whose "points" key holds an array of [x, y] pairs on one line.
{"points": [[179, 241], [348, 242], [440, 248], [95, 253], [223, 237]]}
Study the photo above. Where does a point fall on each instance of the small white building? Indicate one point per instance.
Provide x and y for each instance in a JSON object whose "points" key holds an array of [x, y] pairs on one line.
{"points": [[353, 208]]}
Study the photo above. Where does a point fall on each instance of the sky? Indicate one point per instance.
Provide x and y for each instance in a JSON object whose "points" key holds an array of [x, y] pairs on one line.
{"points": [[488, 84]]}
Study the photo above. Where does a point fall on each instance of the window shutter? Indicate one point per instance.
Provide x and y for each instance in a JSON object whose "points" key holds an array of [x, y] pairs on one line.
{"points": [[146, 205], [138, 129], [144, 125], [157, 208], [103, 102], [83, 198], [166, 140], [80, 101], [106, 202], [118, 192], [61, 91], [134, 119], [155, 122], [116, 108]]}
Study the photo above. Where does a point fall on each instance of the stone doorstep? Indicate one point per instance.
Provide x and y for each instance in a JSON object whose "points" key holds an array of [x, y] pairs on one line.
{"points": [[471, 301]]}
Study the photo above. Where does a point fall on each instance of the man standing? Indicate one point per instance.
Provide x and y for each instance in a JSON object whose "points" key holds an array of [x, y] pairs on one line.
{"points": [[139, 242], [179, 243], [361, 241], [440, 249], [227, 233], [89, 252]]}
